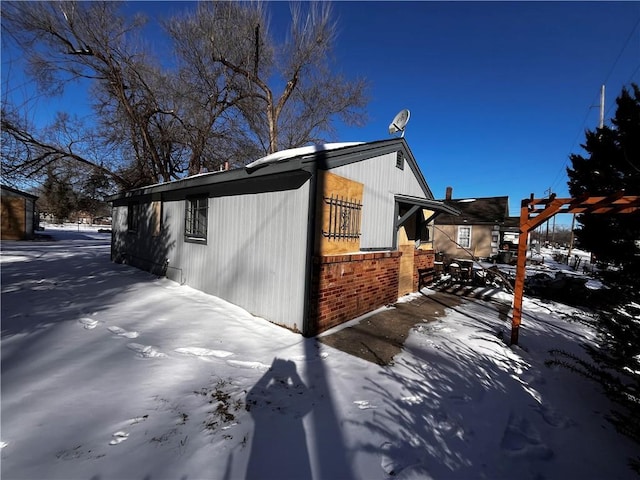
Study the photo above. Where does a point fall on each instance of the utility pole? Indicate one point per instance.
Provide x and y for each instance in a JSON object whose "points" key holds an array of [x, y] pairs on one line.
{"points": [[601, 124], [573, 224], [546, 237]]}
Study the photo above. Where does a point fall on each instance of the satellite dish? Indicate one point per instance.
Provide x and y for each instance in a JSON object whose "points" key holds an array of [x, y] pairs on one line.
{"points": [[399, 122]]}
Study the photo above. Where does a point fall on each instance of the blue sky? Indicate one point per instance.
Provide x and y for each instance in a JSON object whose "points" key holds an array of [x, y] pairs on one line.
{"points": [[500, 93]]}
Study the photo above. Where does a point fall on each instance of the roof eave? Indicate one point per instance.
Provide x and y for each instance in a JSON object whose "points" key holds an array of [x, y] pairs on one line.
{"points": [[434, 205], [324, 160]]}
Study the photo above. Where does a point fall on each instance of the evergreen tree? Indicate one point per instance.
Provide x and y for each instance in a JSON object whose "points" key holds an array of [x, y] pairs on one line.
{"points": [[58, 198], [92, 191], [611, 167]]}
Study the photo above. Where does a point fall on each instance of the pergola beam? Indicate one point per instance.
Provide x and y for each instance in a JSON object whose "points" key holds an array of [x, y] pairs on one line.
{"points": [[531, 216]]}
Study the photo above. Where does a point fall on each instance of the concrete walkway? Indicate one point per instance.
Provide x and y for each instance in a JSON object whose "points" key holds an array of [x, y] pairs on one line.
{"points": [[380, 337]]}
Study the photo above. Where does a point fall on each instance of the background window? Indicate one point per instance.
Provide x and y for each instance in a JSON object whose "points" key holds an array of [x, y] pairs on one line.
{"points": [[464, 237], [196, 218]]}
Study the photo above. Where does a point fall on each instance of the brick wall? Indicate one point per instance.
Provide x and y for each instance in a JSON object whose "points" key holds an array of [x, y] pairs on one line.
{"points": [[347, 286], [422, 259]]}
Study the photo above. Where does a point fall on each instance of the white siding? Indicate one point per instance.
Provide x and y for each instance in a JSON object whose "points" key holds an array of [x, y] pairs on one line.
{"points": [[382, 180], [255, 252]]}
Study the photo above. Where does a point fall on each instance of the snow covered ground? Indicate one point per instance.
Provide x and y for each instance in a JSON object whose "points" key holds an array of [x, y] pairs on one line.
{"points": [[111, 373]]}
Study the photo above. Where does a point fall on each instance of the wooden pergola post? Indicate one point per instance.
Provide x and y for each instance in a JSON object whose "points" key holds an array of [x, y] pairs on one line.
{"points": [[521, 259], [531, 216]]}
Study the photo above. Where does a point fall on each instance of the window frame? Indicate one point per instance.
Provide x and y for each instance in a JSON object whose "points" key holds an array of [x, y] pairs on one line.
{"points": [[133, 217], [459, 237], [156, 218], [195, 231]]}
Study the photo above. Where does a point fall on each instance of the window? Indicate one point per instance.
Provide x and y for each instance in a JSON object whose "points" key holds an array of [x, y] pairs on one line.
{"points": [[400, 160], [133, 217], [464, 237], [156, 218], [195, 226], [495, 238], [344, 219]]}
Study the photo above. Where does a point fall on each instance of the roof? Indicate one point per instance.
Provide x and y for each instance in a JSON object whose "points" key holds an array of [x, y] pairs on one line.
{"points": [[512, 223], [475, 211], [435, 205], [285, 155], [286, 162], [18, 192]]}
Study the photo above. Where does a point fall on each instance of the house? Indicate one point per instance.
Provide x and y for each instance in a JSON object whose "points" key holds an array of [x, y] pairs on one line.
{"points": [[18, 214], [483, 228], [306, 238]]}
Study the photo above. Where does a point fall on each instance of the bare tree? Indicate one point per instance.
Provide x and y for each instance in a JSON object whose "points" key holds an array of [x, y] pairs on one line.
{"points": [[27, 155], [230, 94], [67, 41], [303, 108], [208, 100]]}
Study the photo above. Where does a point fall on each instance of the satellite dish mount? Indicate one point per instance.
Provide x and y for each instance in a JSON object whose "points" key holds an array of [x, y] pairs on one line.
{"points": [[399, 122]]}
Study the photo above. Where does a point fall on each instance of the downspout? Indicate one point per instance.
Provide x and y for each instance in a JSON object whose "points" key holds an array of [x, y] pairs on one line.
{"points": [[311, 246]]}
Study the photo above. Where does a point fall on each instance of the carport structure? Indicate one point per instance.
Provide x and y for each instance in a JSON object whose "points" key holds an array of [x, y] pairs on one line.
{"points": [[535, 211]]}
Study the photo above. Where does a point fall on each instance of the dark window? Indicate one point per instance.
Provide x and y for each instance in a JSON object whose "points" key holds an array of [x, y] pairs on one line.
{"points": [[400, 160], [195, 226], [133, 217]]}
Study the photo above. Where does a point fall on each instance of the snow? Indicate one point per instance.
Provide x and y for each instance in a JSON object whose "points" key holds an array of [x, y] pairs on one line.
{"points": [[284, 155], [111, 373]]}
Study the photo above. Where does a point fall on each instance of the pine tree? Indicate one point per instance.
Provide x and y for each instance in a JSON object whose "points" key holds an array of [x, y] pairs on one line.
{"points": [[58, 197], [612, 167]]}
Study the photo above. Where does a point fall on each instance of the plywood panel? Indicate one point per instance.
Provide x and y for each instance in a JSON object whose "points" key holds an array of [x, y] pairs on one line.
{"points": [[13, 218], [405, 277], [337, 187]]}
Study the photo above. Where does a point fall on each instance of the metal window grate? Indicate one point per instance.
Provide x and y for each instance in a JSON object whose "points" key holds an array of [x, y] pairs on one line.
{"points": [[344, 219]]}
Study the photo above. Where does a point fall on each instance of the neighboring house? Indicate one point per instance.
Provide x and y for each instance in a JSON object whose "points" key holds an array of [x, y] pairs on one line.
{"points": [[83, 217], [18, 214], [483, 228], [306, 238]]}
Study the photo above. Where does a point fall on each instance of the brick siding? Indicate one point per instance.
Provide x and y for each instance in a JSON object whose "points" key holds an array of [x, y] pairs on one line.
{"points": [[347, 286], [422, 259]]}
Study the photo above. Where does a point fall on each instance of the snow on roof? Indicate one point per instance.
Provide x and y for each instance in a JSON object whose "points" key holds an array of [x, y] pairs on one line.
{"points": [[284, 155]]}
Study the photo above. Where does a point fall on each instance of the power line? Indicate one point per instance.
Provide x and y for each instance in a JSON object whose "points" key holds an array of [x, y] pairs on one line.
{"points": [[573, 143], [621, 51], [628, 82], [584, 121]]}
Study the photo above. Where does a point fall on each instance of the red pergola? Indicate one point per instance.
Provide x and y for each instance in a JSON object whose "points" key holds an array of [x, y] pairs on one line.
{"points": [[535, 211]]}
